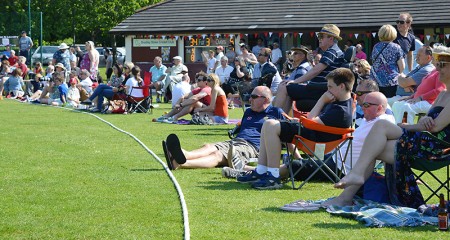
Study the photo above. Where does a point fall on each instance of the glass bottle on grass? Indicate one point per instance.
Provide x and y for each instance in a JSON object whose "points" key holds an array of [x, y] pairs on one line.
{"points": [[442, 214]]}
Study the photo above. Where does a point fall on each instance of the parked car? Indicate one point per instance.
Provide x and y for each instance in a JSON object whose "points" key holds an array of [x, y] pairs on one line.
{"points": [[47, 54], [120, 55]]}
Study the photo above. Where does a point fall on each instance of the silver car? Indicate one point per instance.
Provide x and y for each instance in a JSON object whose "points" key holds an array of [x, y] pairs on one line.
{"points": [[120, 55], [47, 54]]}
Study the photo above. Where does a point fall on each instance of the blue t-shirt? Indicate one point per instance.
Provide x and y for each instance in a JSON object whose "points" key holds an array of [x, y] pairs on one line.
{"points": [[417, 74], [333, 57], [252, 123], [158, 72], [63, 89], [301, 70], [385, 68], [407, 43]]}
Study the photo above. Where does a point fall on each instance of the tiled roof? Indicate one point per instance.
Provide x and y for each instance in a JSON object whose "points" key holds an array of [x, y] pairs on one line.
{"points": [[241, 16]]}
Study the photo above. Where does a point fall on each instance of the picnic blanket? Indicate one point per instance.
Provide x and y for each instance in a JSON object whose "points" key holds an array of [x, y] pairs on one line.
{"points": [[374, 214]]}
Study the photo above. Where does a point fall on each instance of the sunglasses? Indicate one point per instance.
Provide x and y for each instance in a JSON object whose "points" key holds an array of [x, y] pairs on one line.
{"points": [[296, 53], [255, 96], [209, 80], [201, 80], [402, 22], [262, 55], [368, 104], [440, 64], [360, 93]]}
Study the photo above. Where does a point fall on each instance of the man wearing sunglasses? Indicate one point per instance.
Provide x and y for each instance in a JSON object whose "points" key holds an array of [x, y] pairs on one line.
{"points": [[246, 144], [270, 76], [334, 108], [405, 38]]}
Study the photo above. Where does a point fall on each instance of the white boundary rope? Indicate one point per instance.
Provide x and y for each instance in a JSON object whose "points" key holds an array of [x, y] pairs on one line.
{"points": [[187, 234]]}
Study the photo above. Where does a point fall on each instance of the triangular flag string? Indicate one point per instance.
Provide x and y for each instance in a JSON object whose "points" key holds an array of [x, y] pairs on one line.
{"points": [[285, 34], [270, 34], [428, 37], [447, 35], [356, 35], [374, 34], [300, 34]]}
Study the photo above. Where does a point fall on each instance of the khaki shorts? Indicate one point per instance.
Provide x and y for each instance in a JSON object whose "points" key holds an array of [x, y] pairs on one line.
{"points": [[245, 149]]}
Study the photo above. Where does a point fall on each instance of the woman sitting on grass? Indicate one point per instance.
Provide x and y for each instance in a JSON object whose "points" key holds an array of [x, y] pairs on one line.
{"points": [[218, 108], [13, 86], [399, 144]]}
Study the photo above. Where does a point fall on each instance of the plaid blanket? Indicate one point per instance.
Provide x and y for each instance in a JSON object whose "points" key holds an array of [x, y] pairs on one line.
{"points": [[374, 214]]}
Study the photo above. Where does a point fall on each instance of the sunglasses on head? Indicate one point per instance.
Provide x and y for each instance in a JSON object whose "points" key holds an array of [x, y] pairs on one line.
{"points": [[441, 64], [402, 22], [255, 96], [360, 93], [368, 104]]}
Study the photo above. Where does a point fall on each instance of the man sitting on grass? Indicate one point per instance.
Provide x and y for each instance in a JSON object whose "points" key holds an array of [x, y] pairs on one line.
{"points": [[334, 108], [245, 145]]}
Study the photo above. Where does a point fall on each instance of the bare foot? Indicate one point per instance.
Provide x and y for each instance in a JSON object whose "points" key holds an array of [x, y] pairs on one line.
{"points": [[337, 201], [348, 180]]}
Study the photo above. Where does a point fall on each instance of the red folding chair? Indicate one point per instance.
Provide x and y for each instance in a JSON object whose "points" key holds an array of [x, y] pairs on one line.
{"points": [[140, 99]]}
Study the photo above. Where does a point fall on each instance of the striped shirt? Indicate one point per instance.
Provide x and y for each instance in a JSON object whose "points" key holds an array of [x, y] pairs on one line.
{"points": [[333, 58]]}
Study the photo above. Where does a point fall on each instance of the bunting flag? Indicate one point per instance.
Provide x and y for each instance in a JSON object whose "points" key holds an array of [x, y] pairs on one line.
{"points": [[374, 34], [270, 34], [317, 34], [190, 36], [356, 35], [300, 34], [246, 34], [176, 38], [163, 36], [350, 35], [428, 37], [421, 37], [441, 36], [368, 35], [285, 34], [229, 35], [266, 34], [217, 35], [311, 34], [447, 35], [280, 34], [256, 35], [203, 36], [150, 36], [295, 34]]}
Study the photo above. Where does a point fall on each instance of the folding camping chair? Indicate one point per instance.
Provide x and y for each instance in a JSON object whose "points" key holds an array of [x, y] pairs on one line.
{"points": [[320, 153], [428, 166], [140, 99]]}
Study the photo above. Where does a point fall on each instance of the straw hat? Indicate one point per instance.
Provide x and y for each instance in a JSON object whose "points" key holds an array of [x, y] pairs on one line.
{"points": [[60, 65], [63, 46], [331, 30]]}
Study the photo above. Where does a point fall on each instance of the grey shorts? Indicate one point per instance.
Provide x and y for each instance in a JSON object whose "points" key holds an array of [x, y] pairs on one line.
{"points": [[241, 147]]}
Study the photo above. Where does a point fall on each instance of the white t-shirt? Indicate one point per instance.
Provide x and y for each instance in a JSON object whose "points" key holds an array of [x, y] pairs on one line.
{"points": [[276, 54], [180, 89], [211, 65], [224, 73], [359, 135], [132, 82], [87, 84]]}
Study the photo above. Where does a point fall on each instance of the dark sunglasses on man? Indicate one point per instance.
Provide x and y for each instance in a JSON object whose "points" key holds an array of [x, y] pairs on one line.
{"points": [[255, 96], [360, 93], [402, 22]]}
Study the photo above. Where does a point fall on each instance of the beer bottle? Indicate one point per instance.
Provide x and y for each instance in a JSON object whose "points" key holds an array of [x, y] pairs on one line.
{"points": [[442, 214], [405, 117]]}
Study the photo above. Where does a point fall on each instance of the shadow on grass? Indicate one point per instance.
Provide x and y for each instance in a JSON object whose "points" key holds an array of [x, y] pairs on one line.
{"points": [[360, 225], [146, 170], [233, 185]]}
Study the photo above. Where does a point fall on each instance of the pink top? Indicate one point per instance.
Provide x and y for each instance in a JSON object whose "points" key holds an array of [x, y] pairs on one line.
{"points": [[430, 87], [361, 55]]}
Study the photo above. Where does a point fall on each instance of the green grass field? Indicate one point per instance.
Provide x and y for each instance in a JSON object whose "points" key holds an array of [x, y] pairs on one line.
{"points": [[67, 175]]}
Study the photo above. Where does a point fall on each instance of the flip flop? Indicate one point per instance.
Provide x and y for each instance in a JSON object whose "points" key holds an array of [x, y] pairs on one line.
{"points": [[166, 154], [174, 148], [301, 206]]}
